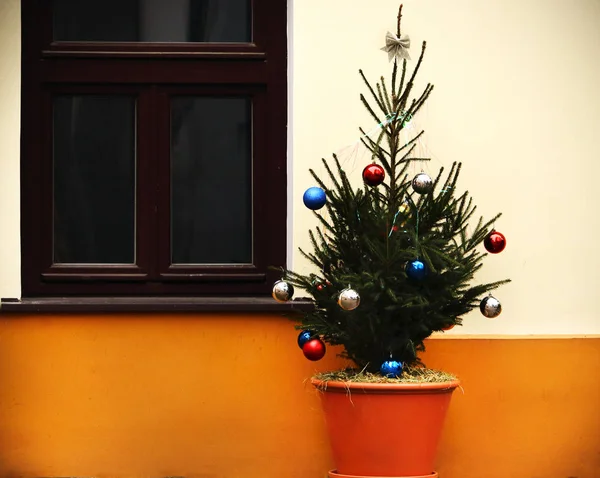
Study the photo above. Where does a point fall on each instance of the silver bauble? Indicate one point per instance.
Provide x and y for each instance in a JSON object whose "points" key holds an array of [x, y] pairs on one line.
{"points": [[349, 299], [422, 183], [490, 307], [282, 291]]}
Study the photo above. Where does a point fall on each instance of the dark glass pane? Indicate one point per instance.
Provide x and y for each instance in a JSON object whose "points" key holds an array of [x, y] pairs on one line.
{"points": [[94, 179], [211, 174], [152, 20]]}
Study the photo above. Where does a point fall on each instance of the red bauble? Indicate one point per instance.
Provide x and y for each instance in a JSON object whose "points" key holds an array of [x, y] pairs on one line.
{"points": [[314, 349], [448, 327], [373, 175], [495, 242]]}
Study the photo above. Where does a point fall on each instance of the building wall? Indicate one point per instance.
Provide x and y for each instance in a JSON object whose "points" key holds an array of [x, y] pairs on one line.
{"points": [[225, 396], [10, 117], [515, 100]]}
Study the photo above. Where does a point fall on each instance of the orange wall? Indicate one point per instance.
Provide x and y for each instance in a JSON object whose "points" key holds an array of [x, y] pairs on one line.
{"points": [[223, 396]]}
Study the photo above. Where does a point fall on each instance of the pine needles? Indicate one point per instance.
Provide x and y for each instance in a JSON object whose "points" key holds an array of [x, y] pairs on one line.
{"points": [[367, 235]]}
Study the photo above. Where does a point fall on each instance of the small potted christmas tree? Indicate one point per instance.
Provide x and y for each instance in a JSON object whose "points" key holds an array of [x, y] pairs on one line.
{"points": [[395, 259]]}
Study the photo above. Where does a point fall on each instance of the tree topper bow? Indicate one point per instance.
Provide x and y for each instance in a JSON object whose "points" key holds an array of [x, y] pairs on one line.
{"points": [[397, 47]]}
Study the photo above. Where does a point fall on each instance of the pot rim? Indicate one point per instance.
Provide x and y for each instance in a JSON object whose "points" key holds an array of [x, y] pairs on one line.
{"points": [[339, 386], [335, 474]]}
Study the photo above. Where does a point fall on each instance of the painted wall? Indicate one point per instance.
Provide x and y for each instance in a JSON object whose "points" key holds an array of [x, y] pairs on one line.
{"points": [[515, 100], [225, 397], [10, 117]]}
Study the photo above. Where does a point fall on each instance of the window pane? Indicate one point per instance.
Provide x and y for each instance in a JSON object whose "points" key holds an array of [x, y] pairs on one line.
{"points": [[152, 20], [94, 179], [211, 174]]}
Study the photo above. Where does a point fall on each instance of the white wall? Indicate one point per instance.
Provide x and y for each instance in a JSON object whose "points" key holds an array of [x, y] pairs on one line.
{"points": [[515, 101], [10, 117]]}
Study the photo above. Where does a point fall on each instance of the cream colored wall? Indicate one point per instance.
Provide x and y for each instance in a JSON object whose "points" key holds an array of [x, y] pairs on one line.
{"points": [[10, 114], [515, 100]]}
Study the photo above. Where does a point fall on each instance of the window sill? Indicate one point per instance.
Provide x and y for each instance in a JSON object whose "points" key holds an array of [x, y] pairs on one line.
{"points": [[153, 304]]}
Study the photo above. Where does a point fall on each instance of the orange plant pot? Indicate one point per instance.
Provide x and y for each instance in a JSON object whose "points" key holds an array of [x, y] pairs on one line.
{"points": [[386, 430]]}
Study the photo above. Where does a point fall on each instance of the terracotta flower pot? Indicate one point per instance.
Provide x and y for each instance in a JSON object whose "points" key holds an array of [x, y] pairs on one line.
{"points": [[384, 429]]}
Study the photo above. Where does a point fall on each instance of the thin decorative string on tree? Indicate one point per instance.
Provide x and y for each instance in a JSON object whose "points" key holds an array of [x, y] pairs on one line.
{"points": [[408, 134], [495, 242], [416, 211], [406, 118], [350, 159], [393, 224], [358, 144], [422, 149]]}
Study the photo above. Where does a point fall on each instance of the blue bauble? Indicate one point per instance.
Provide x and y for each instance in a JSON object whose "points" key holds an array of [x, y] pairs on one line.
{"points": [[416, 270], [314, 198], [391, 369], [304, 337]]}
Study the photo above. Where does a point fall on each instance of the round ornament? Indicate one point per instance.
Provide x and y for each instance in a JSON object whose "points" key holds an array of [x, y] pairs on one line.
{"points": [[282, 291], [448, 327], [416, 270], [349, 299], [490, 307], [404, 208], [495, 242], [314, 198], [422, 183], [391, 369], [320, 285], [373, 175], [314, 349], [304, 337]]}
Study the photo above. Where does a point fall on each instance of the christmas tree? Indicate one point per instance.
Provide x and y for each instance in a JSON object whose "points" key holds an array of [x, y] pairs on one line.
{"points": [[395, 258]]}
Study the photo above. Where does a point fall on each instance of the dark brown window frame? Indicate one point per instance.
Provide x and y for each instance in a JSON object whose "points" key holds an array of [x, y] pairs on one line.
{"points": [[152, 71]]}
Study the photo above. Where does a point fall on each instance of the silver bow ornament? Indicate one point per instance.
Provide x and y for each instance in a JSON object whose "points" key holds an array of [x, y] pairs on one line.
{"points": [[397, 47]]}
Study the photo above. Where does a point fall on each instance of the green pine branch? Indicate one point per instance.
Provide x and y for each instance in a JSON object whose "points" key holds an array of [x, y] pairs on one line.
{"points": [[366, 236]]}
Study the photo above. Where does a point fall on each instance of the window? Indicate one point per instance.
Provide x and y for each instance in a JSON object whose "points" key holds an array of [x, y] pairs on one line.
{"points": [[153, 147]]}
